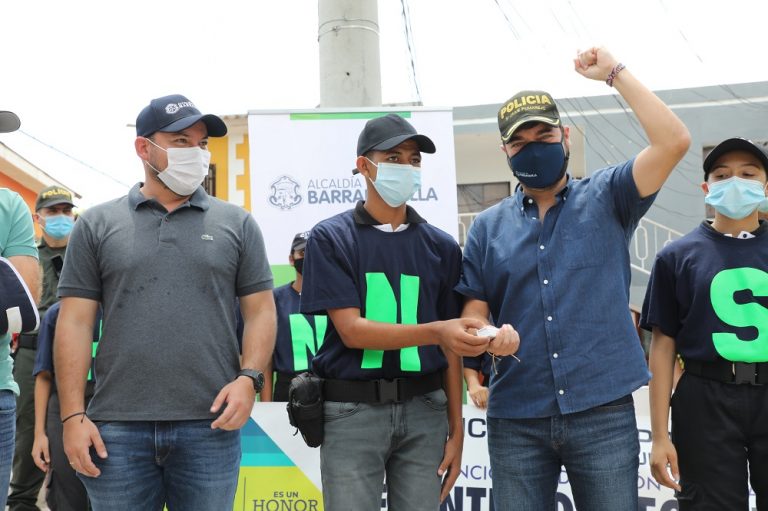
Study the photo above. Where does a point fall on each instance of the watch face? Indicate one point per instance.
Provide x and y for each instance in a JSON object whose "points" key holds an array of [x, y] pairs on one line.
{"points": [[256, 376]]}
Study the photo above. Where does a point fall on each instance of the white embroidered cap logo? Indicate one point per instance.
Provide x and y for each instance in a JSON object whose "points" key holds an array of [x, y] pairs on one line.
{"points": [[206, 237], [172, 108]]}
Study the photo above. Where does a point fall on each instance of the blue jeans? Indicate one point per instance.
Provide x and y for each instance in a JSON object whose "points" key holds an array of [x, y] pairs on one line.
{"points": [[184, 465], [7, 442], [364, 442], [598, 447]]}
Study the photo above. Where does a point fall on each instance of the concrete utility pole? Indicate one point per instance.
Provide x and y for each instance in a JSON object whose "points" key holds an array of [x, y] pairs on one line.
{"points": [[348, 33]]}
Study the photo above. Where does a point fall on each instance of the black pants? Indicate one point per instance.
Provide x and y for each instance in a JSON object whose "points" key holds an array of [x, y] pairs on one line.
{"points": [[719, 430], [64, 492]]}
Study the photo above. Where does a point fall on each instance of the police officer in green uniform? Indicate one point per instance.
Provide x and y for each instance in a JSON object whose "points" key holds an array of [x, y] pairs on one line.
{"points": [[53, 212]]}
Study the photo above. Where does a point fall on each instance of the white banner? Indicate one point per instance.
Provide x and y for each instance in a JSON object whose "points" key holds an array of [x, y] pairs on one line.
{"points": [[301, 170], [279, 472]]}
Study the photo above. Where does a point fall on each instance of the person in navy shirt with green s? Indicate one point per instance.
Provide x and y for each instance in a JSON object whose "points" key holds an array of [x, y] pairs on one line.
{"points": [[392, 386], [299, 336], [706, 300]]}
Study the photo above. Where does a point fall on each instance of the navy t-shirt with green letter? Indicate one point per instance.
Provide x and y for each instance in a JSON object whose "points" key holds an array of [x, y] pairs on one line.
{"points": [[46, 335], [710, 293], [299, 336], [404, 277]]}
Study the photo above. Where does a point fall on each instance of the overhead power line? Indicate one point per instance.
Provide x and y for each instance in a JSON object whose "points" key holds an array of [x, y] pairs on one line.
{"points": [[515, 33], [409, 42], [73, 158]]}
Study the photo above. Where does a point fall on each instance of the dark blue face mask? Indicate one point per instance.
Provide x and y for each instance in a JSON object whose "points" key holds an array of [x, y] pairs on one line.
{"points": [[539, 164]]}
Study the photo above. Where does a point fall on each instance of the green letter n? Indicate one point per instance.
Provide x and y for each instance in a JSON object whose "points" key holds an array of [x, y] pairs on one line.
{"points": [[303, 337], [381, 305]]}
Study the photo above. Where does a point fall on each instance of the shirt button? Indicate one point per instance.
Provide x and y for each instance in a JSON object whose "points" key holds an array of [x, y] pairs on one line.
{"points": [[549, 318], [554, 355], [546, 282], [541, 247], [561, 392], [530, 201]]}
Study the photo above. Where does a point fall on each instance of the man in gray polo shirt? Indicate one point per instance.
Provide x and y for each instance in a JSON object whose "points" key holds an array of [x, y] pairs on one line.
{"points": [[167, 262]]}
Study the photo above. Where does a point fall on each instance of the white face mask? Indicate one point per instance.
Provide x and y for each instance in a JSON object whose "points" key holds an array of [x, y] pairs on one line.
{"points": [[187, 167]]}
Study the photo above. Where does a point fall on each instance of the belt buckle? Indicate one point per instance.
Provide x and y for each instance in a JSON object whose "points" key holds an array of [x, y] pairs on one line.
{"points": [[744, 372], [388, 391]]}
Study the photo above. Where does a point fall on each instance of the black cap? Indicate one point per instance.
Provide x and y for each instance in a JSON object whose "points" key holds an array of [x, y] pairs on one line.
{"points": [[299, 241], [9, 121], [527, 106], [175, 113], [734, 144], [51, 196], [388, 131]]}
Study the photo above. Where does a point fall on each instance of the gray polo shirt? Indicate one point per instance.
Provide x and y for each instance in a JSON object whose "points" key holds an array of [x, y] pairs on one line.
{"points": [[167, 282]]}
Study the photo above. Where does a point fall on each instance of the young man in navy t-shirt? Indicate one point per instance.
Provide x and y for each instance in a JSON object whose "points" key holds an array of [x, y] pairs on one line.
{"points": [[64, 491], [392, 388], [299, 336], [706, 300]]}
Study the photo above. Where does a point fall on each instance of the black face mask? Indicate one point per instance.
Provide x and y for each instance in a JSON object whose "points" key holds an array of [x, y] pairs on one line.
{"points": [[298, 265]]}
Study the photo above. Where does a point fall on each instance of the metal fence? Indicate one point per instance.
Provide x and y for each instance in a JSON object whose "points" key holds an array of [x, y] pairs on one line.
{"points": [[649, 238]]}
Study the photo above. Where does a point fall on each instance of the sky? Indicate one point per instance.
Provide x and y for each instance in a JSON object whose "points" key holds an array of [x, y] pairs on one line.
{"points": [[78, 72]]}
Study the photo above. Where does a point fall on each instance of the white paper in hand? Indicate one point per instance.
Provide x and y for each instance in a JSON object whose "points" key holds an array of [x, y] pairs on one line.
{"points": [[488, 331]]}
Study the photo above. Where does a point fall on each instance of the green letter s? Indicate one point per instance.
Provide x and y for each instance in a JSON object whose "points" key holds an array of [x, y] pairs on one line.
{"points": [[723, 286]]}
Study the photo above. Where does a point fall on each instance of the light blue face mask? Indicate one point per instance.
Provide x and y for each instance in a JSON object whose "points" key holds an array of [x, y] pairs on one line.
{"points": [[396, 183], [58, 226], [737, 197]]}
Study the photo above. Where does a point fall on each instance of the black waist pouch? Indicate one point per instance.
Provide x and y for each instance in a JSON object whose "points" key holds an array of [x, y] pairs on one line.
{"points": [[305, 407]]}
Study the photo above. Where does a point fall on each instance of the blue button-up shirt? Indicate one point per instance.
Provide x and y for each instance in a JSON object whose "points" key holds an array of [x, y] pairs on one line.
{"points": [[564, 285]]}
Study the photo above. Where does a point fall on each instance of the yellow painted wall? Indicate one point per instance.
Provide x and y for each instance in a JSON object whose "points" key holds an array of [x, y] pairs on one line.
{"points": [[230, 154]]}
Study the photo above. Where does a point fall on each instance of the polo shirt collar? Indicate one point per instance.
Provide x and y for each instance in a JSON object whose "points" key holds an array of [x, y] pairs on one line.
{"points": [[362, 217], [199, 199]]}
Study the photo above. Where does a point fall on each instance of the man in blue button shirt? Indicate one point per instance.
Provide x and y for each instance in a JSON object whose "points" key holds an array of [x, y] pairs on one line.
{"points": [[552, 261]]}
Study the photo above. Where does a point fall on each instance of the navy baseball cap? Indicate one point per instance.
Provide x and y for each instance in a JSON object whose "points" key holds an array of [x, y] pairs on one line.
{"points": [[299, 241], [386, 132], [175, 113], [9, 121], [734, 144]]}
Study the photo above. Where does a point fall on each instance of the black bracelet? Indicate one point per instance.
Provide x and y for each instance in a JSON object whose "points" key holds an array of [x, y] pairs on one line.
{"points": [[65, 419]]}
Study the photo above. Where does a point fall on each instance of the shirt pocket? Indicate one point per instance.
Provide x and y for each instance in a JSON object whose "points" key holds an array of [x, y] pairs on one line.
{"points": [[583, 246]]}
